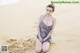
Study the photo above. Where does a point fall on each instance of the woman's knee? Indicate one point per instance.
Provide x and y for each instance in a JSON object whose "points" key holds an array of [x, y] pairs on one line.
{"points": [[38, 49], [45, 46], [38, 46]]}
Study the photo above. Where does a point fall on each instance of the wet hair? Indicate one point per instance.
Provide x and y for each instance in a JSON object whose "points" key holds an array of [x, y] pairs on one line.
{"points": [[51, 6]]}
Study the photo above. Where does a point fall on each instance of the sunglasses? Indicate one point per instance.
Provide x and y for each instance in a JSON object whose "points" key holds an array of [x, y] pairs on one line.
{"points": [[49, 10]]}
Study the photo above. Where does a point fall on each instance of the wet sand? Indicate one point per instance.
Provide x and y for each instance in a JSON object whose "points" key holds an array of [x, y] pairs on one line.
{"points": [[18, 26]]}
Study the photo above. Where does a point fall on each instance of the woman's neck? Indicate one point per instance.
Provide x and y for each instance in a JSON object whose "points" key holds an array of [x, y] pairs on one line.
{"points": [[48, 16]]}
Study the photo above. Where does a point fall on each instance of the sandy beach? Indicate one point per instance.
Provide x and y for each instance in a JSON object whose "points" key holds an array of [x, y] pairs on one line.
{"points": [[18, 26]]}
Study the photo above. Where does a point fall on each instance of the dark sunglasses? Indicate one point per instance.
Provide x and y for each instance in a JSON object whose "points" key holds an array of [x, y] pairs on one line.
{"points": [[49, 10]]}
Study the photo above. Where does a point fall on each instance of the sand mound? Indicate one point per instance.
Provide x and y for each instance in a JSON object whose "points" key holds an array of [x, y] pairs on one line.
{"points": [[22, 46]]}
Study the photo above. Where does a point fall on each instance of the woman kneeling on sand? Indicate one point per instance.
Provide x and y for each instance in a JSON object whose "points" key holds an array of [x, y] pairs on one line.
{"points": [[45, 28]]}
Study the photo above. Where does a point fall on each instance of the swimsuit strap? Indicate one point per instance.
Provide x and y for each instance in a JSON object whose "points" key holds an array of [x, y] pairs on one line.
{"points": [[41, 19]]}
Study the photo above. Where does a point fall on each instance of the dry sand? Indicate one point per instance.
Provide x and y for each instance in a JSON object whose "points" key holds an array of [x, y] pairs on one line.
{"points": [[18, 26]]}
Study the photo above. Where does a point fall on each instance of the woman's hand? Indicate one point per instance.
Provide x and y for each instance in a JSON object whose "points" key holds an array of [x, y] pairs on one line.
{"points": [[44, 39], [41, 40]]}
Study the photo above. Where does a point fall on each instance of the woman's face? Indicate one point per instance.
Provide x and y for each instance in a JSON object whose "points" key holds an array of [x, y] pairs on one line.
{"points": [[49, 10]]}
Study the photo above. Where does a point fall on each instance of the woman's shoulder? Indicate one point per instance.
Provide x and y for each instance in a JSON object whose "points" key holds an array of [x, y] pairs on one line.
{"points": [[54, 19], [41, 17]]}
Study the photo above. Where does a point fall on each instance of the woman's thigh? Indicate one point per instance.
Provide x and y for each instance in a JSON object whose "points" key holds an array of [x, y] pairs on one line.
{"points": [[38, 45], [46, 46]]}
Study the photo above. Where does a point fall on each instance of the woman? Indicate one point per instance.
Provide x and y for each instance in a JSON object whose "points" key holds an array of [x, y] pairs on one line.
{"points": [[45, 28]]}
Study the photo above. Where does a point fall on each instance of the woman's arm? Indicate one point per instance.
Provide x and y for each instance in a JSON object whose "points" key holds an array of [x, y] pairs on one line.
{"points": [[51, 30], [38, 28]]}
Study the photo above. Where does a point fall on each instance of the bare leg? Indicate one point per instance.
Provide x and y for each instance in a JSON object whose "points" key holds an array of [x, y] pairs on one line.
{"points": [[38, 46], [45, 46]]}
